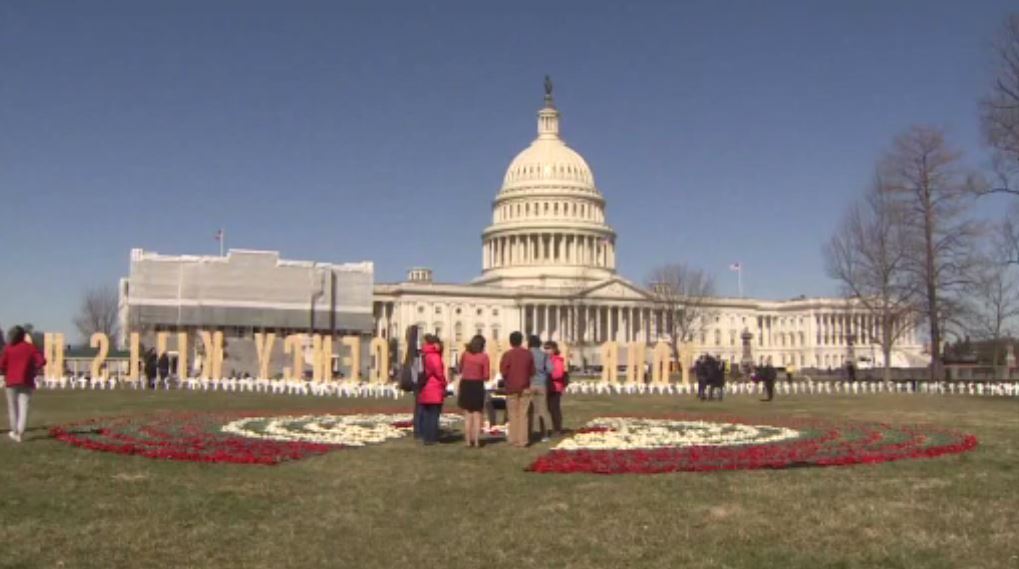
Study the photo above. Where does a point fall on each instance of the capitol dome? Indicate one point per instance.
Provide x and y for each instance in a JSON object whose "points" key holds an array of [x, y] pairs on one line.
{"points": [[548, 219]]}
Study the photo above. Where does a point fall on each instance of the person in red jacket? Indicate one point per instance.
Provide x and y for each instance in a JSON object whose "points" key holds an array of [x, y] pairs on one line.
{"points": [[517, 367], [433, 390], [19, 363], [557, 385]]}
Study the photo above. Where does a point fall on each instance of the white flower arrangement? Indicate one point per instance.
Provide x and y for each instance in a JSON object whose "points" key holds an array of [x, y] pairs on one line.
{"points": [[345, 430], [625, 433]]}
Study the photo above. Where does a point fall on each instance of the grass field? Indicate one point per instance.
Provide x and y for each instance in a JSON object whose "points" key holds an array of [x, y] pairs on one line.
{"points": [[403, 505]]}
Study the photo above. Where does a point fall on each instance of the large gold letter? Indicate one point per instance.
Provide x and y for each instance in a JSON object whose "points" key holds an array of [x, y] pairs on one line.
{"points": [[162, 339], [494, 350], [263, 345], [379, 348], [635, 362], [134, 361], [354, 360], [212, 364], [322, 358], [102, 343], [610, 362], [53, 350], [182, 356], [294, 345], [660, 366]]}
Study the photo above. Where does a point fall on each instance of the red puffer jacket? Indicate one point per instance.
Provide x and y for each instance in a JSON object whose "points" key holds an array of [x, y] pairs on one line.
{"points": [[19, 364], [434, 390], [558, 373]]}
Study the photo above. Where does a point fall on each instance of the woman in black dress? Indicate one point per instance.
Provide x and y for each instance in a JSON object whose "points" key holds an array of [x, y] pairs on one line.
{"points": [[474, 369]]}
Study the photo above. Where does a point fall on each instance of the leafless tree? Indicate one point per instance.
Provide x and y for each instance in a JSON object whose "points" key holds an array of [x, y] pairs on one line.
{"points": [[684, 293], [992, 299], [924, 177], [1000, 109], [869, 256], [98, 312]]}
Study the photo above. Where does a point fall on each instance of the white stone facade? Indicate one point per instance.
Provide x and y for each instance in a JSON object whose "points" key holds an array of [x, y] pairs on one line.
{"points": [[549, 267]]}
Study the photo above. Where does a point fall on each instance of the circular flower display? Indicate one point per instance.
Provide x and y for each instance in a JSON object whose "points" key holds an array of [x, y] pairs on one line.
{"points": [[618, 433], [343, 430], [623, 445], [180, 436]]}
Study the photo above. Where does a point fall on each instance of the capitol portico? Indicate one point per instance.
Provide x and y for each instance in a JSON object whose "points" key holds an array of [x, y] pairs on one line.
{"points": [[549, 267]]}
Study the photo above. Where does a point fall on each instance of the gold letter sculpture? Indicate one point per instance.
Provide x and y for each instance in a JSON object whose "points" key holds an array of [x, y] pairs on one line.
{"points": [[102, 343]]}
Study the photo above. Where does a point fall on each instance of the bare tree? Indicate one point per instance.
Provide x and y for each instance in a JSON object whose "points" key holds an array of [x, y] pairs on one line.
{"points": [[925, 179], [99, 312], [992, 299], [869, 256], [1000, 109], [684, 293]]}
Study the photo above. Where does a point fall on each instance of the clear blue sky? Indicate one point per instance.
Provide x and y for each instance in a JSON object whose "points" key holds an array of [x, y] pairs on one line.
{"points": [[343, 131]]}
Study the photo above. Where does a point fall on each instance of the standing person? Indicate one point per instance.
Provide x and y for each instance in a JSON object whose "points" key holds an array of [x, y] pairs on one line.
{"points": [[433, 390], [151, 363], [559, 380], [541, 419], [701, 371], [769, 375], [164, 366], [474, 372], [517, 367], [410, 375], [19, 364]]}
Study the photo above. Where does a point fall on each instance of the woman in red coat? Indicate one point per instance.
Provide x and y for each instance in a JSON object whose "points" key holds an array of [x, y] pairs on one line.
{"points": [[19, 363], [433, 391]]}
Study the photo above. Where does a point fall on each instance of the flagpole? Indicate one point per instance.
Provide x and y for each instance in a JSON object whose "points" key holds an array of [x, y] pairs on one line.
{"points": [[739, 279], [222, 243]]}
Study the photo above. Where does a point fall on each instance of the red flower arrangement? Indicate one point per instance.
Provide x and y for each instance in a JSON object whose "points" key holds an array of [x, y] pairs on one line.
{"points": [[189, 437], [819, 444]]}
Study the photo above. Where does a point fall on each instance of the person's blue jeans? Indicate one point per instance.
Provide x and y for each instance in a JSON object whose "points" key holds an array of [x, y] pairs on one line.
{"points": [[416, 421], [429, 415]]}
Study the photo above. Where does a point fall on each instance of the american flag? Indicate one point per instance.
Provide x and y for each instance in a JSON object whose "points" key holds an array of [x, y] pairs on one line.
{"points": [[219, 235], [735, 267]]}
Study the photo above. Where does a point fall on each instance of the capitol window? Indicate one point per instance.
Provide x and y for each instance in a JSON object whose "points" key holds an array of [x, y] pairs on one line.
{"points": [[495, 312], [479, 312], [421, 310], [438, 310]]}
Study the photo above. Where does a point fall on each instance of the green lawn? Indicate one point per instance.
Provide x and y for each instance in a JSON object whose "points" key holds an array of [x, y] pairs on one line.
{"points": [[403, 505]]}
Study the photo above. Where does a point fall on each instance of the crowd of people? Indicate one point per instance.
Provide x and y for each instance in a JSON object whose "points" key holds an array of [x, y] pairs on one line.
{"points": [[711, 373], [530, 387]]}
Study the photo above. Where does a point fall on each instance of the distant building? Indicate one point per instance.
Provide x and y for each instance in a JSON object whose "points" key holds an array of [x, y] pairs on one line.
{"points": [[549, 268], [243, 293]]}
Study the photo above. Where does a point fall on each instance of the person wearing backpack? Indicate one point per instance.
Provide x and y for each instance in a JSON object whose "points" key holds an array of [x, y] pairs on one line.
{"points": [[541, 419], [410, 374], [559, 380], [433, 389]]}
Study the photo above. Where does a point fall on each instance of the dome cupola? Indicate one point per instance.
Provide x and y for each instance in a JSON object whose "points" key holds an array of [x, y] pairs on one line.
{"points": [[548, 220]]}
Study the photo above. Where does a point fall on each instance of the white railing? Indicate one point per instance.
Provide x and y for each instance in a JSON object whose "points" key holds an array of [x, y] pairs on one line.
{"points": [[391, 391]]}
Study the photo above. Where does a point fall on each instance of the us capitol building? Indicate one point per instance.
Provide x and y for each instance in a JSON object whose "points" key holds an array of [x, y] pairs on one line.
{"points": [[549, 267]]}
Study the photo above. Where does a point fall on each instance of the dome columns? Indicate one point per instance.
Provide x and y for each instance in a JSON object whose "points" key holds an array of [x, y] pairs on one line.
{"points": [[549, 248]]}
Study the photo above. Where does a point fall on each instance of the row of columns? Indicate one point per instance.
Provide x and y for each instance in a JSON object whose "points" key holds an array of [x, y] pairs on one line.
{"points": [[595, 323], [833, 329], [549, 248]]}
